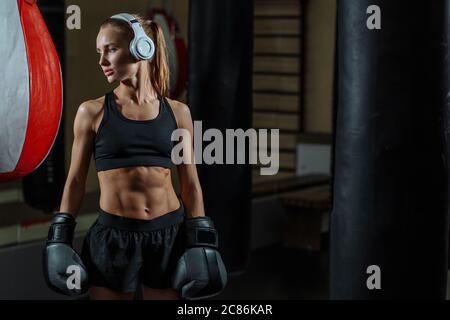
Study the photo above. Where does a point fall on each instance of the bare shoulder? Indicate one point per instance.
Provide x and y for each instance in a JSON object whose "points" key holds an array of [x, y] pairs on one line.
{"points": [[90, 111], [181, 110], [92, 106]]}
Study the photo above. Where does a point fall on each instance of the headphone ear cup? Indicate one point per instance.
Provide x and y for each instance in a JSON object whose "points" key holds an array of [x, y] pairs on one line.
{"points": [[144, 48]]}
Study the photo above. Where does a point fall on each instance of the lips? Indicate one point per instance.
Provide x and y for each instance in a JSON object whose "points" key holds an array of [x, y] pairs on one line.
{"points": [[108, 72]]}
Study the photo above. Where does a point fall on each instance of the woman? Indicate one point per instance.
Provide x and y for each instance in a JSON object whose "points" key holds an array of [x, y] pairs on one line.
{"points": [[134, 241]]}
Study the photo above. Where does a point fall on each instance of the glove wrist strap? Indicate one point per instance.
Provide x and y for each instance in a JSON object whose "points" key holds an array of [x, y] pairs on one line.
{"points": [[200, 232], [202, 237], [62, 229]]}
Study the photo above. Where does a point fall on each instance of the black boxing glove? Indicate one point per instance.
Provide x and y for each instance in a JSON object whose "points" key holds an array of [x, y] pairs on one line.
{"points": [[63, 269], [200, 272]]}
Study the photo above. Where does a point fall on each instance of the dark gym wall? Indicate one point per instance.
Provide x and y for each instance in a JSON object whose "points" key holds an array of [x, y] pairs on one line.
{"points": [[320, 34]]}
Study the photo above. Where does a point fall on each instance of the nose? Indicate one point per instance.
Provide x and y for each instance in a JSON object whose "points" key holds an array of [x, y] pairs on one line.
{"points": [[103, 61]]}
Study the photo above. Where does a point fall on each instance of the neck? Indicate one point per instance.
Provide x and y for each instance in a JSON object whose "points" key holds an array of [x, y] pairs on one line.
{"points": [[138, 89]]}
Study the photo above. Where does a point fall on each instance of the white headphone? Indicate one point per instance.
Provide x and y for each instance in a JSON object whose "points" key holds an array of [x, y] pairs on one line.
{"points": [[141, 46]]}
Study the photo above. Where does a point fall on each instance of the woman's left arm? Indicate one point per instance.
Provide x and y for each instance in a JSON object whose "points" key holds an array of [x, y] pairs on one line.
{"points": [[191, 191], [200, 273]]}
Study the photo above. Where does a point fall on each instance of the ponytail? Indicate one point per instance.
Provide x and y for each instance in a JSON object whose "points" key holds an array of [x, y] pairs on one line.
{"points": [[158, 68]]}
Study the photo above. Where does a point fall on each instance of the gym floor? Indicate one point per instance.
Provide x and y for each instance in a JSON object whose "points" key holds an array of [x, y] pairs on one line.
{"points": [[276, 272]]}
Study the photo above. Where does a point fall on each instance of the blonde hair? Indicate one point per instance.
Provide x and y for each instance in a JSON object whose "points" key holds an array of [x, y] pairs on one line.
{"points": [[158, 67]]}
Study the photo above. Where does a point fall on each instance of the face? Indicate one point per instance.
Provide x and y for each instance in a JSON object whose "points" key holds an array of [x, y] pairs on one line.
{"points": [[114, 55]]}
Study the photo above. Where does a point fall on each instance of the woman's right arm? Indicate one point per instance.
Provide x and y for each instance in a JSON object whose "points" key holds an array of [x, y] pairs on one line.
{"points": [[84, 134]]}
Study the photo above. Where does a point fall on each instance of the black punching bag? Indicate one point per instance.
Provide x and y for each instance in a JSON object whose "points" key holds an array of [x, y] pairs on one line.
{"points": [[219, 95], [390, 188]]}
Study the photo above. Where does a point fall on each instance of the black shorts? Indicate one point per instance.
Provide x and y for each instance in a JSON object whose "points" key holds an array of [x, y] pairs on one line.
{"points": [[121, 253]]}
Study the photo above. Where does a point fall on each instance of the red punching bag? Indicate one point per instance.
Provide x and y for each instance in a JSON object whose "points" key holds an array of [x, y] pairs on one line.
{"points": [[31, 94]]}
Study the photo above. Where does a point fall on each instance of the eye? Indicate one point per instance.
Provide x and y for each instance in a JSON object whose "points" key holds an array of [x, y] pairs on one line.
{"points": [[112, 50]]}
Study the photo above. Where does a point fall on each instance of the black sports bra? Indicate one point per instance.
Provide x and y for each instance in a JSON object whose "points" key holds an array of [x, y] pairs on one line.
{"points": [[122, 142]]}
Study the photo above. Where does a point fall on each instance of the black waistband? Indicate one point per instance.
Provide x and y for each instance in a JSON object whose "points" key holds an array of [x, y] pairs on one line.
{"points": [[130, 224]]}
